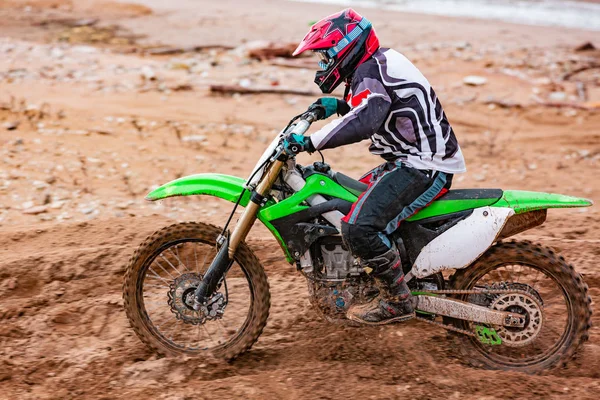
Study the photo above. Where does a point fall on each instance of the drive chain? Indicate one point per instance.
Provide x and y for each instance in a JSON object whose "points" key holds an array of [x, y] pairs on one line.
{"points": [[446, 326]]}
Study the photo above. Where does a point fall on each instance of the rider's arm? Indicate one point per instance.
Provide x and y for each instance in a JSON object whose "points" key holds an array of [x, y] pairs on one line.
{"points": [[362, 121]]}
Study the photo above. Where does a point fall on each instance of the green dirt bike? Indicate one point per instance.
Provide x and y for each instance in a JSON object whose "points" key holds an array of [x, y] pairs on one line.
{"points": [[194, 287]]}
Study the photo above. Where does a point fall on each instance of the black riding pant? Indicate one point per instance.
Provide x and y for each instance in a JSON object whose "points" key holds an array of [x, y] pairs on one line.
{"points": [[396, 191]]}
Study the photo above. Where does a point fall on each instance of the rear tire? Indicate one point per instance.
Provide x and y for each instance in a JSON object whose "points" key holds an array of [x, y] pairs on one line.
{"points": [[149, 250], [543, 259]]}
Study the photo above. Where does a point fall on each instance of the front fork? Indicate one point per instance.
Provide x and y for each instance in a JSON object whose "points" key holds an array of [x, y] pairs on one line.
{"points": [[224, 258]]}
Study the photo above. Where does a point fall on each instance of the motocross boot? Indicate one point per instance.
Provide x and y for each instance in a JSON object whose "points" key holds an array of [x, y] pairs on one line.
{"points": [[393, 304]]}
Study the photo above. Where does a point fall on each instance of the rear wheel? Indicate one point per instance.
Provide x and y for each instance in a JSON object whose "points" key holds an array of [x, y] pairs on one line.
{"points": [[547, 290], [159, 287]]}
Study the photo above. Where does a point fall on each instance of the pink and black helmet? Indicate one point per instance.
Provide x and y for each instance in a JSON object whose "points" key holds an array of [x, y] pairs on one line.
{"points": [[343, 40]]}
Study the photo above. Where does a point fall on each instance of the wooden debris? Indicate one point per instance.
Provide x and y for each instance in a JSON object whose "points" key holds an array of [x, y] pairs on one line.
{"points": [[102, 132], [162, 51], [559, 104], [578, 70], [299, 63], [587, 46], [231, 89], [70, 22], [97, 34], [167, 50], [11, 125], [502, 103], [182, 87], [272, 50]]}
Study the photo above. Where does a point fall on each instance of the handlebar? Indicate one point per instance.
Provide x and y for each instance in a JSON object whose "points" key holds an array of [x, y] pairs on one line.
{"points": [[276, 148], [299, 128], [304, 123]]}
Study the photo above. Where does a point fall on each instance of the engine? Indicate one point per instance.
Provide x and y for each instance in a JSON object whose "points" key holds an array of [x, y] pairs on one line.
{"points": [[338, 281], [338, 263]]}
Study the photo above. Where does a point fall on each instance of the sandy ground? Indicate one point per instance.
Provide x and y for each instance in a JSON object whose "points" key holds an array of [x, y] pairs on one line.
{"points": [[89, 124]]}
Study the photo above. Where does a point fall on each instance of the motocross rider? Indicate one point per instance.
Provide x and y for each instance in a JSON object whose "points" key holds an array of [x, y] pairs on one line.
{"points": [[390, 102]]}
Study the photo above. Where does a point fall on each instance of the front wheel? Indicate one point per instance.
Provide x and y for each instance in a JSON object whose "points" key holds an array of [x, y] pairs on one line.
{"points": [[548, 291], [159, 288]]}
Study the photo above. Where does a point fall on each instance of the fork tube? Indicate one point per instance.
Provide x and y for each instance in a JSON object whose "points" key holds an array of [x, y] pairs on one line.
{"points": [[249, 216], [224, 258]]}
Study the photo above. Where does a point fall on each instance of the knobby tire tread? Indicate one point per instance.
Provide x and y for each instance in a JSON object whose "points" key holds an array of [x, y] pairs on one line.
{"points": [[546, 259], [208, 233]]}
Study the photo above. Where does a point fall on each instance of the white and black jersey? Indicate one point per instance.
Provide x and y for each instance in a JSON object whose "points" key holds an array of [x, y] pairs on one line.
{"points": [[394, 105]]}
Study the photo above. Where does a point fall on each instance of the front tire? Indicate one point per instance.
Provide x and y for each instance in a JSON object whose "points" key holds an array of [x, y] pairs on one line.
{"points": [[169, 245], [525, 256]]}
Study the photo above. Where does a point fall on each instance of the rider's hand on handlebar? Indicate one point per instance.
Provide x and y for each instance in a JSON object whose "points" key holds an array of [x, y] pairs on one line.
{"points": [[325, 107], [295, 144]]}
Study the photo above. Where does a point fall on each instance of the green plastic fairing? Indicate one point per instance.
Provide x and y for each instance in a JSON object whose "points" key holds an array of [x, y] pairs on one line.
{"points": [[315, 184], [226, 187], [522, 201], [443, 207], [229, 188], [219, 185]]}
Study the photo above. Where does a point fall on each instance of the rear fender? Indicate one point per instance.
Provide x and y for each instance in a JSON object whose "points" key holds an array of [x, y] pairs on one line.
{"points": [[531, 208], [522, 201], [465, 242], [462, 244]]}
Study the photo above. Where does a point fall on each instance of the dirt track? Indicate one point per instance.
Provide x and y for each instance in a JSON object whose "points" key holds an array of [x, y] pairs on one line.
{"points": [[95, 131], [71, 339]]}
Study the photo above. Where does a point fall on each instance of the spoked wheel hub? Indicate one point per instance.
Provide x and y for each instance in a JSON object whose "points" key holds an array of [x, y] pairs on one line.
{"points": [[182, 300], [526, 304]]}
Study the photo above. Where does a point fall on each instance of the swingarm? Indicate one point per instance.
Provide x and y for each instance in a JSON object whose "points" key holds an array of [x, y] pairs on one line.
{"points": [[458, 309]]}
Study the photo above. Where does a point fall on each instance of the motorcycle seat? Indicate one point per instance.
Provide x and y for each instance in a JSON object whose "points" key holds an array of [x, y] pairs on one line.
{"points": [[352, 185], [490, 195]]}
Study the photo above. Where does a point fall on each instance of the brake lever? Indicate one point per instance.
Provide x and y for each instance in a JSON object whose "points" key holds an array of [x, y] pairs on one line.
{"points": [[313, 115], [316, 112]]}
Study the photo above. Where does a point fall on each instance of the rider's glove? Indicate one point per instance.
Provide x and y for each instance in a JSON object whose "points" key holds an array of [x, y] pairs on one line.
{"points": [[330, 106], [295, 144]]}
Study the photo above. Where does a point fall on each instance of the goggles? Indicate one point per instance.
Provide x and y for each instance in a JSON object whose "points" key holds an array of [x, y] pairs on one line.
{"points": [[327, 56], [324, 60]]}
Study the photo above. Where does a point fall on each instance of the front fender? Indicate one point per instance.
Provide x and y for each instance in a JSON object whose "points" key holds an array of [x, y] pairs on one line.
{"points": [[226, 187]]}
